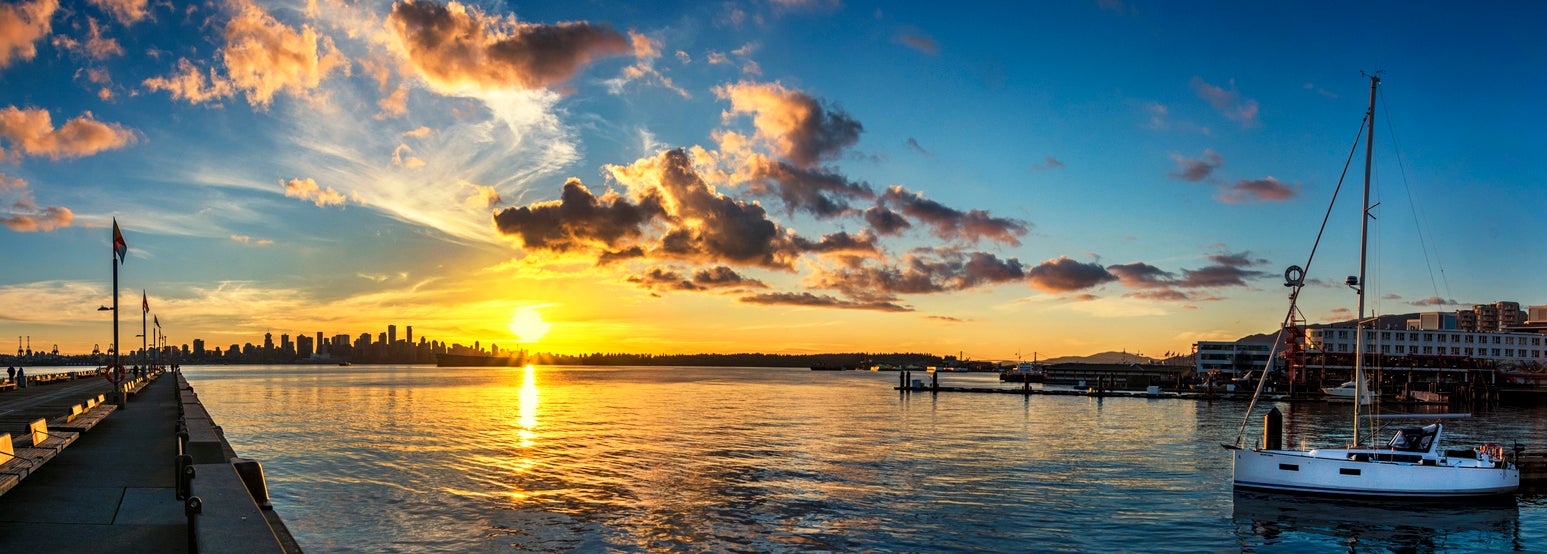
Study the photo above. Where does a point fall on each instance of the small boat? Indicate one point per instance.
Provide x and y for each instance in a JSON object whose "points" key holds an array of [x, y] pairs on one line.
{"points": [[1410, 465], [1346, 392]]}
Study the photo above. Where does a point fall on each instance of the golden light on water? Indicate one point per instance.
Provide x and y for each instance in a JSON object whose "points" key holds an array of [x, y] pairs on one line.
{"points": [[528, 413], [528, 324]]}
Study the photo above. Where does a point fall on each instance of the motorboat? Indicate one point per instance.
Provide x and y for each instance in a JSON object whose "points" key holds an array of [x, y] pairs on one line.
{"points": [[1347, 392]]}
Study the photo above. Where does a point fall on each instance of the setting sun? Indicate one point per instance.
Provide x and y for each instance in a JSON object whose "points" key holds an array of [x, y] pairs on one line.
{"points": [[528, 324]]}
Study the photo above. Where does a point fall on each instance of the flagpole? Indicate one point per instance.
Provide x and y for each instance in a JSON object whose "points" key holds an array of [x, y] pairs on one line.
{"points": [[118, 388], [144, 338]]}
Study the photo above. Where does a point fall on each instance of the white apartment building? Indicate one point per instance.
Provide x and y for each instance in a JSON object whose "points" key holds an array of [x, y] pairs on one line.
{"points": [[1519, 348]]}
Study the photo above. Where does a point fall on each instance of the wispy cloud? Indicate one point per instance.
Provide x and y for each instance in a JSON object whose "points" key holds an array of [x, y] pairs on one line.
{"points": [[1229, 103]]}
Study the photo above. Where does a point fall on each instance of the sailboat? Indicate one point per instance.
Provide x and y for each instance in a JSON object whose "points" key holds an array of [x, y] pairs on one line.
{"points": [[1411, 464]]}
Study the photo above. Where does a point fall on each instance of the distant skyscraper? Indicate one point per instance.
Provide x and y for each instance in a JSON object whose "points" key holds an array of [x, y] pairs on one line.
{"points": [[268, 341], [410, 338], [322, 345], [391, 334], [198, 347]]}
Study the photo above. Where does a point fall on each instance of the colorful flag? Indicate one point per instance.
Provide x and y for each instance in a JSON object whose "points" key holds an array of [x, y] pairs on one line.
{"points": [[120, 248], [144, 302]]}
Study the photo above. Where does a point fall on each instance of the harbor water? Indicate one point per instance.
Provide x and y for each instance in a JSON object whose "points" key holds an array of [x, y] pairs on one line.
{"points": [[418, 458]]}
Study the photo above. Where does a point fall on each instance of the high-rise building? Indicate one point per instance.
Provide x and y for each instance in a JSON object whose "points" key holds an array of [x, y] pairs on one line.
{"points": [[392, 334], [198, 347], [410, 338], [303, 346], [268, 341]]}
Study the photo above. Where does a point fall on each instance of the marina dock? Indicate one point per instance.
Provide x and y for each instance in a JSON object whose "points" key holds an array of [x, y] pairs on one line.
{"points": [[152, 475]]}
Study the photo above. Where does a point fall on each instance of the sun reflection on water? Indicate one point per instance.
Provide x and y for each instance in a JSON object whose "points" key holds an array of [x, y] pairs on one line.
{"points": [[528, 401]]}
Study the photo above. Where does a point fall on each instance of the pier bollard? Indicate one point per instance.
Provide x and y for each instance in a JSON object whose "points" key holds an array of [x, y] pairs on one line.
{"points": [[934, 381], [1273, 430], [251, 472]]}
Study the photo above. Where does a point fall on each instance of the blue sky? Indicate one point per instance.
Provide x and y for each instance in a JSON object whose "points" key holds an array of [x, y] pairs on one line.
{"points": [[792, 176]]}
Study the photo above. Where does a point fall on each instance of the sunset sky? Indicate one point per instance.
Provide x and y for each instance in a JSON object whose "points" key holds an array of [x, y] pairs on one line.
{"points": [[1057, 178]]}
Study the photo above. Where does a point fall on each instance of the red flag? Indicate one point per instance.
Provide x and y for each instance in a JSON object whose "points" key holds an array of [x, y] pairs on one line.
{"points": [[120, 248], [144, 302]]}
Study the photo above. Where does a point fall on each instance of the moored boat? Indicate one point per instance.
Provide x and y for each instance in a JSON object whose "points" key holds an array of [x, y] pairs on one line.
{"points": [[1411, 464]]}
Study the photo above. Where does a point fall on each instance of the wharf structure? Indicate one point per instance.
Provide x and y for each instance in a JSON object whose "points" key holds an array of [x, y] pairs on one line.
{"points": [[153, 474], [1497, 347]]}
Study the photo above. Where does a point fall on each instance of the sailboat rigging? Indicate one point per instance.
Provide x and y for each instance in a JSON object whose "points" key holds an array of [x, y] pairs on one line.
{"points": [[1411, 464]]}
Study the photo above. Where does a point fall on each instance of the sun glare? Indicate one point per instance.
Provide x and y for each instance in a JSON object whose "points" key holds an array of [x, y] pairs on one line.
{"points": [[528, 324]]}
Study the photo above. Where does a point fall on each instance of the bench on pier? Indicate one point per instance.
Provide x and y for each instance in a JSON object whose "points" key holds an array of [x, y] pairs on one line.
{"points": [[136, 385], [8, 384], [18, 462], [45, 439], [82, 419]]}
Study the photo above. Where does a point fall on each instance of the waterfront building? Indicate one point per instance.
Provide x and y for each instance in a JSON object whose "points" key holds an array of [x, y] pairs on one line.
{"points": [[1232, 358], [1504, 347], [391, 334]]}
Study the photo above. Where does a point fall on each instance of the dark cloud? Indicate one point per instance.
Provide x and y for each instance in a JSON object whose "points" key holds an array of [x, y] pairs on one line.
{"points": [[703, 225], [842, 242], [1434, 301], [1229, 270], [718, 277], [454, 46], [951, 224], [1150, 282], [1066, 275], [924, 271], [724, 277], [1195, 170], [799, 127], [1266, 189], [660, 278], [820, 192], [1140, 275], [886, 222], [914, 144], [578, 220], [821, 301], [1047, 163]]}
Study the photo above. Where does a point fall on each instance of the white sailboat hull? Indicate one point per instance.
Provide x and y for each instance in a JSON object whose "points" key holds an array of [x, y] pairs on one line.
{"points": [[1336, 472]]}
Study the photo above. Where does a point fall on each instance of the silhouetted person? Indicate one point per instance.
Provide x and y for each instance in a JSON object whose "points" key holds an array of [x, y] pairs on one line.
{"points": [[21, 376], [12, 371]]}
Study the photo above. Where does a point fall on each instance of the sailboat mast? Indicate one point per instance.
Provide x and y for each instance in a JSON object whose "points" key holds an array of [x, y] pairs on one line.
{"points": [[1364, 242]]}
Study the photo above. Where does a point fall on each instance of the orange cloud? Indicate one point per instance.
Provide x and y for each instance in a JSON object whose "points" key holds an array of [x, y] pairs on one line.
{"points": [[793, 123], [127, 12], [402, 156], [25, 215], [265, 57], [190, 84], [483, 197], [32, 133], [307, 189], [456, 48], [21, 26]]}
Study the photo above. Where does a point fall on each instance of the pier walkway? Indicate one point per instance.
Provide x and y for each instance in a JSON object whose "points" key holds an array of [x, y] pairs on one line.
{"points": [[116, 488]]}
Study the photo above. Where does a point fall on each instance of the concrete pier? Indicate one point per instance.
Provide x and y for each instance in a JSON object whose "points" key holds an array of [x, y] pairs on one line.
{"points": [[120, 486]]}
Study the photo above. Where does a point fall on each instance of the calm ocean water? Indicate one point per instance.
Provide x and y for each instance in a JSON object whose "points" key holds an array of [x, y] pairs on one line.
{"points": [[413, 459]]}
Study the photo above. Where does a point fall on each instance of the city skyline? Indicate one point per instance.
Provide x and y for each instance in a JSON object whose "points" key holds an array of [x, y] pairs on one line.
{"points": [[783, 176]]}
